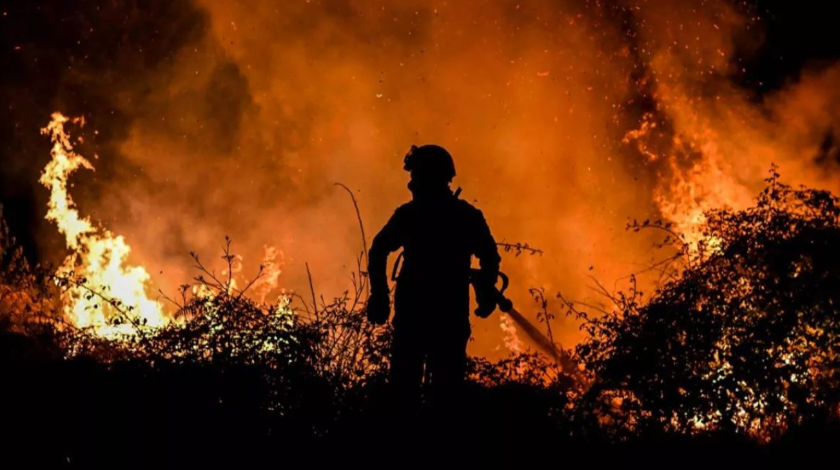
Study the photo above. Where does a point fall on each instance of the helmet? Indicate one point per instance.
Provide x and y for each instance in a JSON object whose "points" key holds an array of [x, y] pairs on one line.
{"points": [[429, 162]]}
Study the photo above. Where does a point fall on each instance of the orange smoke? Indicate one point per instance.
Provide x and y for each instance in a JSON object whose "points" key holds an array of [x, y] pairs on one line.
{"points": [[565, 119]]}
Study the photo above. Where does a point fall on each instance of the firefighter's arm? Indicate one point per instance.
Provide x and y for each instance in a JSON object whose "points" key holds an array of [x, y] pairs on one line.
{"points": [[487, 253], [384, 243]]}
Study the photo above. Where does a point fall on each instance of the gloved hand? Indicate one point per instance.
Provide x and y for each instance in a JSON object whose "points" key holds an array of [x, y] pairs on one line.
{"points": [[484, 311], [486, 304], [379, 308], [485, 293]]}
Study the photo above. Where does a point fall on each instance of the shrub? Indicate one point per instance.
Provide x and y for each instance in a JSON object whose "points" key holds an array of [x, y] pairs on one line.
{"points": [[744, 340]]}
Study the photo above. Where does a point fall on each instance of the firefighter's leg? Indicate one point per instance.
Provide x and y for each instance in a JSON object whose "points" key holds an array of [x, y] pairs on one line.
{"points": [[448, 360], [406, 377]]}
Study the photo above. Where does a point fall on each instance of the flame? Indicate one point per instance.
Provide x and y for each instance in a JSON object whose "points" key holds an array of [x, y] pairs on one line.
{"points": [[699, 179], [98, 258], [270, 281]]}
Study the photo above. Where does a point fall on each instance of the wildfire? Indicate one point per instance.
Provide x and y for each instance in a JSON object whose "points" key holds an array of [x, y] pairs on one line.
{"points": [[108, 287], [534, 120], [700, 179], [270, 282]]}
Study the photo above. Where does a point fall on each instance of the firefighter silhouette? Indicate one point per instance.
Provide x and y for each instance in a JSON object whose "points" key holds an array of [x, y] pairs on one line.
{"points": [[439, 234]]}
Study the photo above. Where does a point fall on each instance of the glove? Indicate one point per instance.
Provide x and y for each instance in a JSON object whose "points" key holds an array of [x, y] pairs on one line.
{"points": [[486, 304], [485, 293], [484, 311], [378, 308]]}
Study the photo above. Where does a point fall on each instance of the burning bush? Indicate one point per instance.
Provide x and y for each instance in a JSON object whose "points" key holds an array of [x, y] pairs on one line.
{"points": [[227, 372], [26, 293], [744, 340]]}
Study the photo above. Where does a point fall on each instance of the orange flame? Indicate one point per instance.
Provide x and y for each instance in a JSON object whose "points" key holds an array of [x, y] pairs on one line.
{"points": [[695, 185], [97, 256]]}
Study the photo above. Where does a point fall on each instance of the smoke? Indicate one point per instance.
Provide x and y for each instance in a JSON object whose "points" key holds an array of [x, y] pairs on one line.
{"points": [[214, 118], [277, 103], [97, 60]]}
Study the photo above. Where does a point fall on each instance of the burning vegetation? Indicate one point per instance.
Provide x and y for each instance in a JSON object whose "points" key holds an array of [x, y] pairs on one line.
{"points": [[567, 119], [739, 341], [97, 258]]}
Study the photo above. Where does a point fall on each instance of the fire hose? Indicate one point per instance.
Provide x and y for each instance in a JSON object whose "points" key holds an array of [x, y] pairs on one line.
{"points": [[506, 306]]}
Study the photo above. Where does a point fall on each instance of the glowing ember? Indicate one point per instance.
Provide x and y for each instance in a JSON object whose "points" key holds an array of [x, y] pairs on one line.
{"points": [[97, 256]]}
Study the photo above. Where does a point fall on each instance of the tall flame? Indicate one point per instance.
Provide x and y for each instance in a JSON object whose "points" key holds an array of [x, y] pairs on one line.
{"points": [[698, 177], [97, 256]]}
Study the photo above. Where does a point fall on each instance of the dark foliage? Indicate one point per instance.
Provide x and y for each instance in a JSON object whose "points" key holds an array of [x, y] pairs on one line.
{"points": [[744, 341]]}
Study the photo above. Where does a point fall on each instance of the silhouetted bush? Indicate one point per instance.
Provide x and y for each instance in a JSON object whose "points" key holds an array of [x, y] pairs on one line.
{"points": [[743, 340]]}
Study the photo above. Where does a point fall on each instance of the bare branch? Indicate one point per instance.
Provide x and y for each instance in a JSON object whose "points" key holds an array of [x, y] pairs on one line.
{"points": [[519, 248], [361, 224]]}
